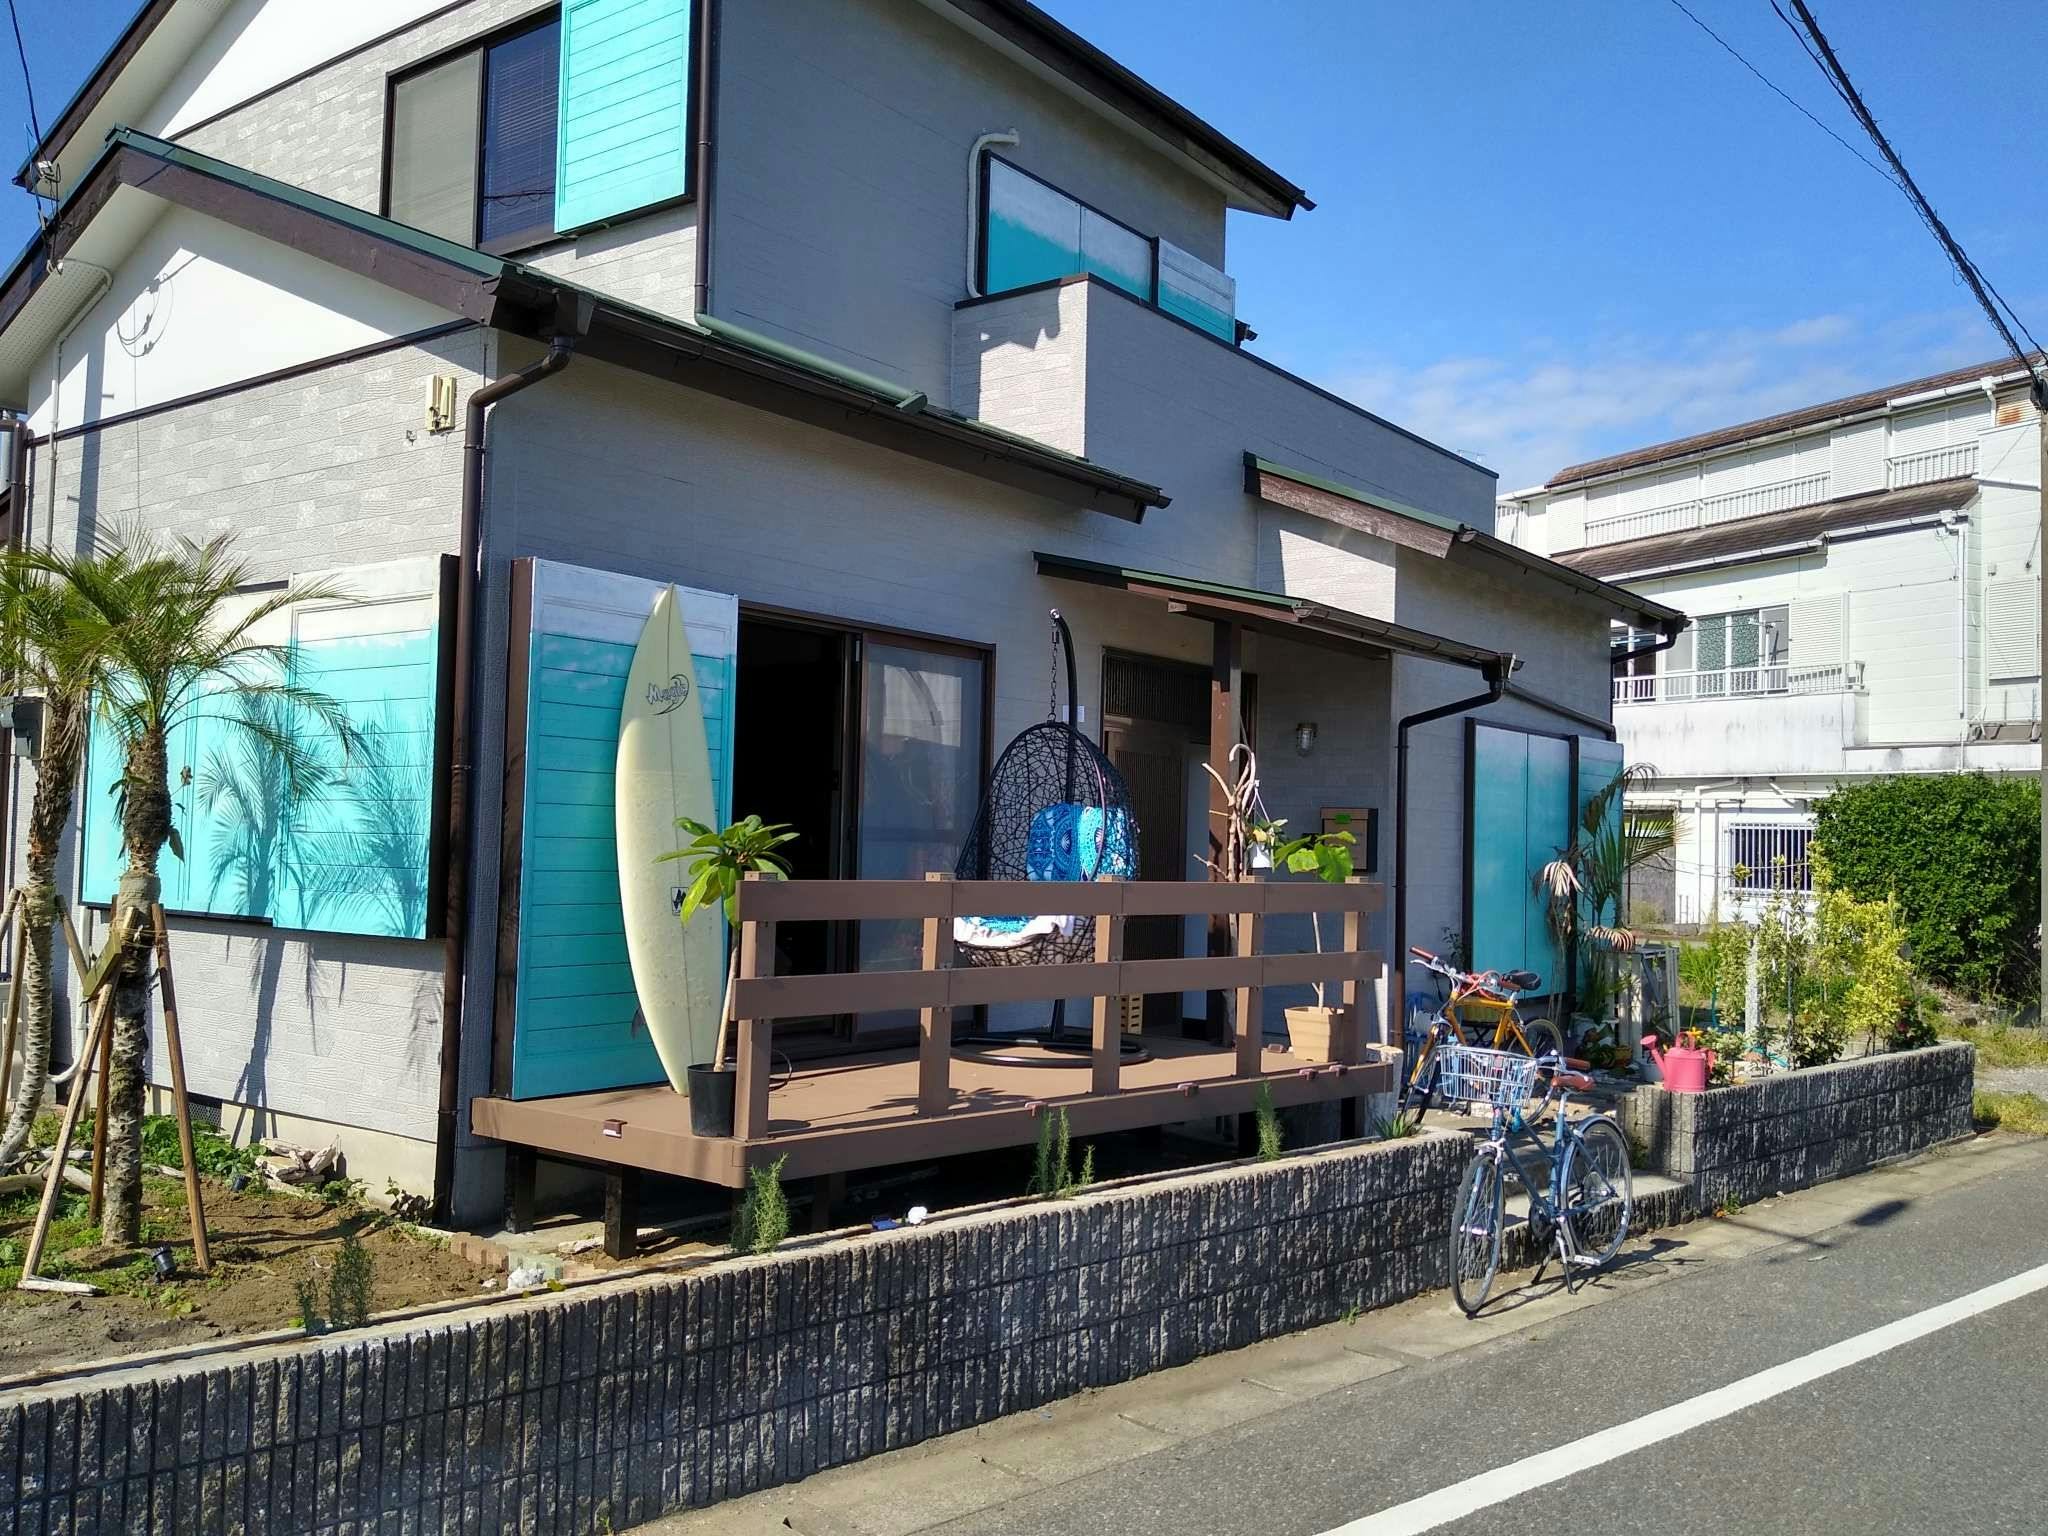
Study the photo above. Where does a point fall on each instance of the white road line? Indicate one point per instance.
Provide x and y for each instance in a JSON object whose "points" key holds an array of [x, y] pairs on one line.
{"points": [[1503, 1483]]}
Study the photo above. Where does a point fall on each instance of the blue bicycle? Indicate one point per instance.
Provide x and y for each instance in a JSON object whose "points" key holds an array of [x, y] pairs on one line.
{"points": [[1584, 1204]]}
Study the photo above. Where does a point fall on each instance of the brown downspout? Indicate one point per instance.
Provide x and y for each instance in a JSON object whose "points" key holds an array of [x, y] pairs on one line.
{"points": [[463, 733], [707, 122]]}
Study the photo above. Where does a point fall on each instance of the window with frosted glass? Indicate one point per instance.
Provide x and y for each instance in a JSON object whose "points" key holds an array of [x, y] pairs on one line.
{"points": [[1035, 233], [920, 779], [472, 143]]}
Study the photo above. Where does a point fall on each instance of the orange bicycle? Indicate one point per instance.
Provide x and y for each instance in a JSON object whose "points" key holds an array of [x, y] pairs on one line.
{"points": [[1482, 1010]]}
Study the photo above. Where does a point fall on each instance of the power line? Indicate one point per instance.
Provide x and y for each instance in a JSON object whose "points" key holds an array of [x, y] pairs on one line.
{"points": [[1789, 99], [1987, 297], [27, 85]]}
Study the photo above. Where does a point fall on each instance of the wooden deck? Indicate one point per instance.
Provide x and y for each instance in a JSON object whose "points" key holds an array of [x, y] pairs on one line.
{"points": [[862, 1111]]}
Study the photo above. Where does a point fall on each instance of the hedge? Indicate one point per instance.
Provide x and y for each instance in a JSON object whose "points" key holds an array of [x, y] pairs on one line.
{"points": [[1962, 853]]}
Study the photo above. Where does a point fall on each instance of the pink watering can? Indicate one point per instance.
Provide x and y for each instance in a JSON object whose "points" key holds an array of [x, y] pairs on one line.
{"points": [[1685, 1067]]}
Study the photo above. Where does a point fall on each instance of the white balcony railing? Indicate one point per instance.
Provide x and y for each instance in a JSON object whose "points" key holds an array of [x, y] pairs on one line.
{"points": [[1705, 511], [1949, 462], [1739, 683]]}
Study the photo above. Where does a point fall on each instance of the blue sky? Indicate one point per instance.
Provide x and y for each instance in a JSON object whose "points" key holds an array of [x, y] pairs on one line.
{"points": [[1550, 231]]}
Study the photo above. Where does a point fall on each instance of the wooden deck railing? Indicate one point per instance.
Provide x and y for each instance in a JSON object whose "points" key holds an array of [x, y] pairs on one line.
{"points": [[939, 985]]}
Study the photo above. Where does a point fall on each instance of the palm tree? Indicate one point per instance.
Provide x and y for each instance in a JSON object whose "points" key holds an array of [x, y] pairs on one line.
{"points": [[40, 649], [173, 637], [1585, 885]]}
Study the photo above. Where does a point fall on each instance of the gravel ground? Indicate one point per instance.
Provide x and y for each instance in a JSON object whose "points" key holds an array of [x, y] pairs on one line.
{"points": [[2013, 1080]]}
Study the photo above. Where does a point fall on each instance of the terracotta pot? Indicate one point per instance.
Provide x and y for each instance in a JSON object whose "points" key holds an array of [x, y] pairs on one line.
{"points": [[1319, 1034]]}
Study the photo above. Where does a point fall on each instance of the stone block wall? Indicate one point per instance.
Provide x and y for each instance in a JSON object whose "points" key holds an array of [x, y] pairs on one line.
{"points": [[598, 1408], [1803, 1128]]}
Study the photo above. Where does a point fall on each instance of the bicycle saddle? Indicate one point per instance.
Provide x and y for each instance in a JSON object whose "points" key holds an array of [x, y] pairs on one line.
{"points": [[1521, 981]]}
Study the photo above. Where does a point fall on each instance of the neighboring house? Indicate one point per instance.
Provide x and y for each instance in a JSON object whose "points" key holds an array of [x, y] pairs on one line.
{"points": [[1864, 582], [928, 331]]}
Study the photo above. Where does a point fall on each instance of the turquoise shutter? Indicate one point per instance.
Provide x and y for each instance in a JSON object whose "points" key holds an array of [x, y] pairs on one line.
{"points": [[1520, 789], [623, 137]]}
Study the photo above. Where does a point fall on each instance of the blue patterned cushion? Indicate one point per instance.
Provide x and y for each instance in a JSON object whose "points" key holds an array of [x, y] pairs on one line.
{"points": [[1079, 842]]}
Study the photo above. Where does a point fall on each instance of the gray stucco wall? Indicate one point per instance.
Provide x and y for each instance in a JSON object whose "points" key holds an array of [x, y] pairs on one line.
{"points": [[326, 133], [841, 196], [327, 469]]}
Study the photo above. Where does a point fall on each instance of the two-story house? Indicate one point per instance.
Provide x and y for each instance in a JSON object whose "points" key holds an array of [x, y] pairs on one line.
{"points": [[1863, 578], [879, 327]]}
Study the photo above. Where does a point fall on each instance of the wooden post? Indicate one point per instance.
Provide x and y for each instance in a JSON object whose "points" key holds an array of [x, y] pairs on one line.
{"points": [[1251, 1001], [750, 1092], [1106, 1045], [621, 1212], [522, 1175], [181, 1106], [40, 1233], [1226, 674], [78, 961], [935, 1024], [1349, 1046], [99, 1127], [19, 917]]}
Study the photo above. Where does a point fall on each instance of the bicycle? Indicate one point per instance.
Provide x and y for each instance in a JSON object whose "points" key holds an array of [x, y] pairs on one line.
{"points": [[1480, 993], [1587, 1201]]}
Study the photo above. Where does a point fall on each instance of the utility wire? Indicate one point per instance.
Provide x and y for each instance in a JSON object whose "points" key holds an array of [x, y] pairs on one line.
{"points": [[1988, 298], [27, 84], [1773, 85]]}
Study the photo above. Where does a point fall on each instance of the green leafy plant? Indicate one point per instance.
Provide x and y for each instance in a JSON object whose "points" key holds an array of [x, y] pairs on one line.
{"points": [[1327, 856], [306, 1293], [1398, 1126], [213, 1153], [1584, 886], [1266, 1120], [351, 1283], [718, 860], [1962, 855], [1086, 1177], [170, 634], [763, 1219], [1052, 1167]]}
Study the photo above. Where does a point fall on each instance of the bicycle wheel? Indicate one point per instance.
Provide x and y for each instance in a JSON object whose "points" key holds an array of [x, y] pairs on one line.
{"points": [[1421, 1086], [1599, 1190], [1477, 1216], [1542, 1038]]}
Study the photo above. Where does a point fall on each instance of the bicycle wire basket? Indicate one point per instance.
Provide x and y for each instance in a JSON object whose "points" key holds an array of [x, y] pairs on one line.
{"points": [[1473, 1075]]}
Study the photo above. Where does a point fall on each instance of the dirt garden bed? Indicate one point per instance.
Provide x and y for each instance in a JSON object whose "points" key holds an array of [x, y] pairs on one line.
{"points": [[264, 1242]]}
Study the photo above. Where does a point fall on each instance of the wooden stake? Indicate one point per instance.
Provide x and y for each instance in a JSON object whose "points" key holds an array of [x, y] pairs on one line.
{"points": [[202, 1260], [99, 1129], [78, 960], [19, 918], [54, 1182]]}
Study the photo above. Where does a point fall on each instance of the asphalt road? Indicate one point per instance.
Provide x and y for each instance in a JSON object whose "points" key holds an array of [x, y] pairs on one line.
{"points": [[1940, 1435], [1381, 1426]]}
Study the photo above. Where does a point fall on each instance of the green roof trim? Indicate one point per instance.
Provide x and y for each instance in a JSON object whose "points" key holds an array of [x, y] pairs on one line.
{"points": [[1351, 493]]}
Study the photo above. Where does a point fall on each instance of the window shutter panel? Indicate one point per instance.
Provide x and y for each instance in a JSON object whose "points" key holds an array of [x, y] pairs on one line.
{"points": [[433, 150], [2012, 634], [623, 143], [1818, 622]]}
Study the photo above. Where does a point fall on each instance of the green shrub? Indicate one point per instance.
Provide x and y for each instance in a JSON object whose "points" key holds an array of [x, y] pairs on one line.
{"points": [[350, 1286], [306, 1292], [1912, 1029], [1267, 1119], [1052, 1162], [763, 1220], [212, 1150], [1962, 853], [1398, 1126]]}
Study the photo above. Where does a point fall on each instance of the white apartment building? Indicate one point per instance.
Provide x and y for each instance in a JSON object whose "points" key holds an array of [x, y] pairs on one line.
{"points": [[1863, 578]]}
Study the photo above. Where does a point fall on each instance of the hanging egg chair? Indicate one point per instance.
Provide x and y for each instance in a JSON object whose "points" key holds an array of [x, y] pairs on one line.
{"points": [[1055, 809]]}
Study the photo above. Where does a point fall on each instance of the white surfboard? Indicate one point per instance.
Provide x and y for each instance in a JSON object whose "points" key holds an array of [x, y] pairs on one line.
{"points": [[664, 772]]}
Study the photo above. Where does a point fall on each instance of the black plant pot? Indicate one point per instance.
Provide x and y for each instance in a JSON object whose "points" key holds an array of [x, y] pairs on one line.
{"points": [[711, 1098]]}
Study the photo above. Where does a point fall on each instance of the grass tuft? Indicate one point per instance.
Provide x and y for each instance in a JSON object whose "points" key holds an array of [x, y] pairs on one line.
{"points": [[2024, 1113], [2000, 1045]]}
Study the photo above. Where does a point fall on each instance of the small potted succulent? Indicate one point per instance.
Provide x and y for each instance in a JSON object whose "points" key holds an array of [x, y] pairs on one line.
{"points": [[718, 860], [1327, 856]]}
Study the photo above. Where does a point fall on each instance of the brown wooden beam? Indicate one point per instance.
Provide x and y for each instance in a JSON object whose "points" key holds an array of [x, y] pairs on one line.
{"points": [[1226, 677]]}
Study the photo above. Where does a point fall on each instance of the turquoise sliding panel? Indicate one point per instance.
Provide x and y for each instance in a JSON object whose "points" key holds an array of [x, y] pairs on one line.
{"points": [[101, 856], [623, 136], [1498, 785], [1520, 787], [1033, 233], [576, 1023]]}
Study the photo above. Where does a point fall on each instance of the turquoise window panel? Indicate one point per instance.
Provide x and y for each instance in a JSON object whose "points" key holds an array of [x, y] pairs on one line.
{"points": [[348, 856], [577, 1015], [623, 134], [1197, 312], [1036, 234]]}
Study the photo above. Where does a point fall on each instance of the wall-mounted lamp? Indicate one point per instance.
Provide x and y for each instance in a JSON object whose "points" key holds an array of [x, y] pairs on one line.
{"points": [[1305, 737]]}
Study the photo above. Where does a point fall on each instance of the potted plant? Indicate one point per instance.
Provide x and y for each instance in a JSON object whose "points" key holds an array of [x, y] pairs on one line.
{"points": [[718, 861], [1327, 856]]}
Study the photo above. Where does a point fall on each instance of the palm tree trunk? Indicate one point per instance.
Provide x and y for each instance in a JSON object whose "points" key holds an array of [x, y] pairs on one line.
{"points": [[145, 827], [49, 811]]}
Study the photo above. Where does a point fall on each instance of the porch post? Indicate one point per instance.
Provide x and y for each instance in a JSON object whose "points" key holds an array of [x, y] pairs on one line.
{"points": [[1226, 680], [935, 1024], [756, 1071], [1106, 1043], [1251, 1000]]}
